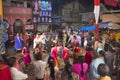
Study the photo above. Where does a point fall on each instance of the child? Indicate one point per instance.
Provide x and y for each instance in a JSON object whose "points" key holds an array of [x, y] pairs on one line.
{"points": [[103, 71], [26, 56]]}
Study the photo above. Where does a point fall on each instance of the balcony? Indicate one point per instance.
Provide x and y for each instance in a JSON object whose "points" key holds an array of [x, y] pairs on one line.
{"points": [[17, 10], [12, 13]]}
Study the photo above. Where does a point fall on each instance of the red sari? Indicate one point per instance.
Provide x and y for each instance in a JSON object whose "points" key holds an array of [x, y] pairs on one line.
{"points": [[4, 72], [88, 57]]}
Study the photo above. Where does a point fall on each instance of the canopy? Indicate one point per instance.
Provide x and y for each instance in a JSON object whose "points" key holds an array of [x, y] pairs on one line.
{"points": [[110, 25], [88, 28]]}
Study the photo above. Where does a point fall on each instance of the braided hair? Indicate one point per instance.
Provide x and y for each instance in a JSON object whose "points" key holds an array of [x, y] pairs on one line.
{"points": [[81, 61]]}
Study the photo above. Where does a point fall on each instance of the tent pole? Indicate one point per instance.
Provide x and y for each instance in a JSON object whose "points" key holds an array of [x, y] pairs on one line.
{"points": [[96, 32]]}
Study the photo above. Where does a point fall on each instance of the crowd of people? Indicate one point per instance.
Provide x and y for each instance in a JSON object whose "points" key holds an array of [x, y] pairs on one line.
{"points": [[75, 54]]}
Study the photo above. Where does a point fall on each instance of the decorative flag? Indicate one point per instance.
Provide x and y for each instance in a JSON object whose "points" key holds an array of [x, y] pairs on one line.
{"points": [[96, 13], [96, 10]]}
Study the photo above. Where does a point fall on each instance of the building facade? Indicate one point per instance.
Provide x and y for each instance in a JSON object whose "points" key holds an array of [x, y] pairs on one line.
{"points": [[17, 14]]}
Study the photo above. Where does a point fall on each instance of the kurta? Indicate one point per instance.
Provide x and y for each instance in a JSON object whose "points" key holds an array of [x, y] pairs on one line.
{"points": [[18, 42], [26, 57], [54, 55]]}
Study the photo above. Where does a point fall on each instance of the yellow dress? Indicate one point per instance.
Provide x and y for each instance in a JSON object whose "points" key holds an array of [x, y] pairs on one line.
{"points": [[105, 78], [117, 36]]}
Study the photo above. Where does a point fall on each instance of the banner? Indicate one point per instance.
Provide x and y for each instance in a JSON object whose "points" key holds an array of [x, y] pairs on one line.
{"points": [[113, 3], [42, 11]]}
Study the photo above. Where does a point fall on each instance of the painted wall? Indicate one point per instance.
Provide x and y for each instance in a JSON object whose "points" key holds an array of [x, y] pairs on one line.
{"points": [[12, 13]]}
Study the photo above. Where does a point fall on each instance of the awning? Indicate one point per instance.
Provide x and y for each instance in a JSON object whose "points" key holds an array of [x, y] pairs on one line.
{"points": [[88, 28], [110, 25]]}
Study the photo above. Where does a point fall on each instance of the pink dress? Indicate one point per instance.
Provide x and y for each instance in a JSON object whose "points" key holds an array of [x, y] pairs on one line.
{"points": [[77, 69], [26, 57], [54, 55], [65, 54]]}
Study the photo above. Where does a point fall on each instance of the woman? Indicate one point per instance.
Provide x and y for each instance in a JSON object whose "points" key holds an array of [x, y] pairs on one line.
{"points": [[26, 56], [81, 68], [88, 55], [76, 53], [18, 43], [54, 54], [94, 64], [4, 71]]}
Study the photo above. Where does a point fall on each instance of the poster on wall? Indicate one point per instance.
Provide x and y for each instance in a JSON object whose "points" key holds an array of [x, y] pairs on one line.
{"points": [[42, 11]]}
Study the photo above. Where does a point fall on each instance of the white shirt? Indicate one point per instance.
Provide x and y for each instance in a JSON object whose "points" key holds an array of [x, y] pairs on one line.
{"points": [[71, 39], [35, 42], [43, 39], [39, 69], [17, 75]]}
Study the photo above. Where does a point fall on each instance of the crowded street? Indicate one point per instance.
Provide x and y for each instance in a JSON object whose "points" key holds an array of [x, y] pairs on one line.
{"points": [[59, 40]]}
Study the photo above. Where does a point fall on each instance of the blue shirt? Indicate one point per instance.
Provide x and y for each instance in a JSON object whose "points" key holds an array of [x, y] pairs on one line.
{"points": [[93, 68]]}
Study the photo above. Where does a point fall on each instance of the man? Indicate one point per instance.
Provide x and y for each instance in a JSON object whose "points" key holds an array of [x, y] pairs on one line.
{"points": [[43, 39], [15, 73], [36, 40], [39, 67]]}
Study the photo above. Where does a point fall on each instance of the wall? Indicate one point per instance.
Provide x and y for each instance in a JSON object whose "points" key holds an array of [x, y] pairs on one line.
{"points": [[70, 12], [111, 17]]}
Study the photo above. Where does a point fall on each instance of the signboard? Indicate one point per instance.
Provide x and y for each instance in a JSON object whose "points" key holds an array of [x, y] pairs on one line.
{"points": [[42, 11]]}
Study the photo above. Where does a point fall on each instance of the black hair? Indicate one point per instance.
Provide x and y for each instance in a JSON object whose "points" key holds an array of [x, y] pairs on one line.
{"points": [[75, 37], [38, 56], [5, 57], [103, 69], [68, 68], [77, 44], [106, 48], [37, 45], [51, 66], [11, 61], [89, 47], [81, 61]]}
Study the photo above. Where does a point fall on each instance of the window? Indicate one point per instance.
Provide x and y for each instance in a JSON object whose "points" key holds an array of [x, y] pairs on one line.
{"points": [[28, 5]]}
